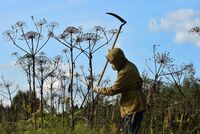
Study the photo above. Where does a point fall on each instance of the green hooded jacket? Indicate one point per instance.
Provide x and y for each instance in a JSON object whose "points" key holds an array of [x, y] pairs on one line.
{"points": [[128, 84]]}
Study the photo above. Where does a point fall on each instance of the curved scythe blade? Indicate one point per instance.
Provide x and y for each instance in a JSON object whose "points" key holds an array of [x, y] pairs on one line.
{"points": [[118, 17]]}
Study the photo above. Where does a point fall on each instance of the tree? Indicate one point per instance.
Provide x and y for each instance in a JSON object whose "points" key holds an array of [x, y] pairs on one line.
{"points": [[22, 104]]}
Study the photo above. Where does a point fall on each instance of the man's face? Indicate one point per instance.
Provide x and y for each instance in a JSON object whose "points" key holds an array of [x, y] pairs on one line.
{"points": [[113, 67]]}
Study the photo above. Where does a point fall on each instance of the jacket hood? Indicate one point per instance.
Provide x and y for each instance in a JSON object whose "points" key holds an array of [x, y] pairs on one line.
{"points": [[117, 58]]}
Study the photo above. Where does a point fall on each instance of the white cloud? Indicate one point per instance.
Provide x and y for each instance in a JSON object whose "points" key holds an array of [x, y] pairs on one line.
{"points": [[5, 102], [179, 22]]}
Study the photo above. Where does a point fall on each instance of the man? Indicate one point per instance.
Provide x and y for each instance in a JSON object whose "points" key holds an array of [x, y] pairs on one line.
{"points": [[129, 86]]}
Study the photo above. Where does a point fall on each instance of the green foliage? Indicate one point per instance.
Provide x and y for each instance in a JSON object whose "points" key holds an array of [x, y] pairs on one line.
{"points": [[3, 127], [174, 108], [170, 113]]}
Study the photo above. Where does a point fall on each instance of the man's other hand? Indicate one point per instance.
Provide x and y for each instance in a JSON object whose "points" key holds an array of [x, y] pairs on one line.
{"points": [[96, 89]]}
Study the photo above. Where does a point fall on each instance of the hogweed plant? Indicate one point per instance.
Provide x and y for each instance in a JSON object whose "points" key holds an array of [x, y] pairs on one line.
{"points": [[195, 30], [31, 43], [44, 68], [94, 41], [7, 89], [164, 73], [70, 38]]}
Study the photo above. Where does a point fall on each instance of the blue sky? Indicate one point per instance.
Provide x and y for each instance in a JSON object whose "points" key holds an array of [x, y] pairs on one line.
{"points": [[165, 23]]}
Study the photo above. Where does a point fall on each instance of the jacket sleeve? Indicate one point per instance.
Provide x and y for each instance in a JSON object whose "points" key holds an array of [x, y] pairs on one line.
{"points": [[118, 86]]}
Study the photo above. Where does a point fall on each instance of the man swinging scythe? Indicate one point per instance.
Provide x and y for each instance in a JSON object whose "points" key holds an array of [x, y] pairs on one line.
{"points": [[128, 84]]}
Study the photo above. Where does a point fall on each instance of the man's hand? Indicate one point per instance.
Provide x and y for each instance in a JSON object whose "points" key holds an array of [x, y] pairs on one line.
{"points": [[96, 89]]}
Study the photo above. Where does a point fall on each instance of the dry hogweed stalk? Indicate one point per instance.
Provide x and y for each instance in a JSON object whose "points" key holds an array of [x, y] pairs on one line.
{"points": [[195, 30]]}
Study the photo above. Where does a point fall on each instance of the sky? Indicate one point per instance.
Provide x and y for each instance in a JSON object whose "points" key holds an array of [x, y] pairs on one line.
{"points": [[156, 22]]}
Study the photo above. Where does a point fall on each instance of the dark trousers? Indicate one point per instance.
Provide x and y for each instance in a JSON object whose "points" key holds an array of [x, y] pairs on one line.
{"points": [[132, 122]]}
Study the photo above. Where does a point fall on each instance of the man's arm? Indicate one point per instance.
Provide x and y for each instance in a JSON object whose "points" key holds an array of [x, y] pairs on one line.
{"points": [[117, 87]]}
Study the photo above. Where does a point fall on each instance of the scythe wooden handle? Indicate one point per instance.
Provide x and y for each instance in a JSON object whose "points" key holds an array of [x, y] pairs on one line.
{"points": [[118, 32]]}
